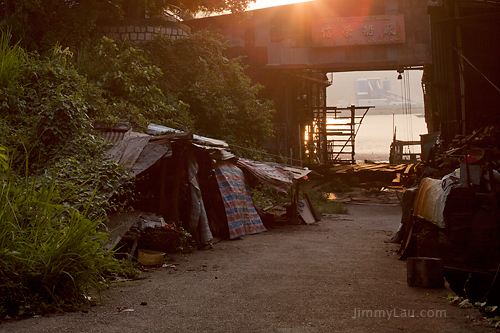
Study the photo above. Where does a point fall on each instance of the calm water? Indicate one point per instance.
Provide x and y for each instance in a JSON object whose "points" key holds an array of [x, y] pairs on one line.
{"points": [[376, 133]]}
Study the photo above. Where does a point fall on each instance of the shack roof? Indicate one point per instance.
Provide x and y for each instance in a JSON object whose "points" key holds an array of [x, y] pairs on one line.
{"points": [[139, 151]]}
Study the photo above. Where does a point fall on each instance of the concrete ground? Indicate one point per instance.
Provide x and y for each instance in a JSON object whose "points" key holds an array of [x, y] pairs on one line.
{"points": [[337, 275]]}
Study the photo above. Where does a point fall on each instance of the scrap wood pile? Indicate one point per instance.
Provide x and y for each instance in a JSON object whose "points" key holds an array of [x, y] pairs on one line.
{"points": [[482, 147], [453, 213], [372, 173]]}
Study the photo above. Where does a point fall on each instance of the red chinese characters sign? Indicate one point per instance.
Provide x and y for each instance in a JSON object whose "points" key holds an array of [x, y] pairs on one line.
{"points": [[359, 30]]}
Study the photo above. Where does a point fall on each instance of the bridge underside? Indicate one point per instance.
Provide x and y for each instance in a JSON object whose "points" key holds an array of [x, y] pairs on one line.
{"points": [[289, 49]]}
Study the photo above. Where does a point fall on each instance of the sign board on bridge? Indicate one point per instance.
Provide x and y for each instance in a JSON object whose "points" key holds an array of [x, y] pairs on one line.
{"points": [[359, 30]]}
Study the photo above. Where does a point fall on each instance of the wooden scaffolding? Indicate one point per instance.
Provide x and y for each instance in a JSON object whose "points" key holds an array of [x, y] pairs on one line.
{"points": [[332, 135]]}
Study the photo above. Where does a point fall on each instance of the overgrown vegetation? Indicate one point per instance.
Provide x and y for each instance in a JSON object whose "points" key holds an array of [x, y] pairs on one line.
{"points": [[131, 87], [56, 184], [336, 185], [319, 197], [51, 255], [264, 196], [222, 101]]}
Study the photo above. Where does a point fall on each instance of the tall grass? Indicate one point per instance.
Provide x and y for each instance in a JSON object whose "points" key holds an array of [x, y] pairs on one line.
{"points": [[11, 58], [51, 255]]}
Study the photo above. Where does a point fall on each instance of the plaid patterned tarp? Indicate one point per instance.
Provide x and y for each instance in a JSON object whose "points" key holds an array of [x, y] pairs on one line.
{"points": [[242, 217]]}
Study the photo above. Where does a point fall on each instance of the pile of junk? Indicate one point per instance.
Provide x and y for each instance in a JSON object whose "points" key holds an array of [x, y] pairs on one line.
{"points": [[191, 189], [452, 214]]}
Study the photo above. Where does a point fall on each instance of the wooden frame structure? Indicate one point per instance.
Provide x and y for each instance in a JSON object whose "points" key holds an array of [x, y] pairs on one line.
{"points": [[332, 133]]}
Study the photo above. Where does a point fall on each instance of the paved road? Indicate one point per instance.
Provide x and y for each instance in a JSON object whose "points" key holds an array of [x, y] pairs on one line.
{"points": [[335, 276]]}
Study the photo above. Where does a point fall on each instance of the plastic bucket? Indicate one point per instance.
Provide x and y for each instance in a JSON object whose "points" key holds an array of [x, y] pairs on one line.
{"points": [[150, 258]]}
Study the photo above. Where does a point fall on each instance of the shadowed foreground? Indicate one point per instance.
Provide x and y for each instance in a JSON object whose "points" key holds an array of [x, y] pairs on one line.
{"points": [[337, 275]]}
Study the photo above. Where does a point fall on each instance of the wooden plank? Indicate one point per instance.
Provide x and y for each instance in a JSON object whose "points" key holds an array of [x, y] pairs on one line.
{"points": [[408, 169], [372, 166]]}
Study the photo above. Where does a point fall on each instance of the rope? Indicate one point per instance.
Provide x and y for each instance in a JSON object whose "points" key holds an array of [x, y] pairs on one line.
{"points": [[460, 53], [262, 152], [406, 103]]}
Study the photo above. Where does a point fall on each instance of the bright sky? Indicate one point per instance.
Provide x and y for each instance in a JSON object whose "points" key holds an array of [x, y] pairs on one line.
{"points": [[271, 3]]}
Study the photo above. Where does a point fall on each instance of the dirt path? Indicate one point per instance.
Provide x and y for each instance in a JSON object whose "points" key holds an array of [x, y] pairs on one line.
{"points": [[312, 278]]}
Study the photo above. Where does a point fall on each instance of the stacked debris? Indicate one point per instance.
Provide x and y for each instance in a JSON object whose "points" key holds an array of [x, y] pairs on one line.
{"points": [[189, 190], [452, 213], [141, 230], [480, 147]]}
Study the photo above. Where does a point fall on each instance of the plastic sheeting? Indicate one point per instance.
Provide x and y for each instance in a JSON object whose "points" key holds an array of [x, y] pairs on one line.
{"points": [[198, 218], [269, 175], [430, 201]]}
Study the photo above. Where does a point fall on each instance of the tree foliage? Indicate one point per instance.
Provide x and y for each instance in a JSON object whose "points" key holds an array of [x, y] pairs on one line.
{"points": [[131, 86], [47, 106], [222, 100], [48, 109], [155, 7], [71, 23], [46, 116], [41, 24]]}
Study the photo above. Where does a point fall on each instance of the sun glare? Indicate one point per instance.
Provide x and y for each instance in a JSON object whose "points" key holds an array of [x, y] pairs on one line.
{"points": [[271, 3]]}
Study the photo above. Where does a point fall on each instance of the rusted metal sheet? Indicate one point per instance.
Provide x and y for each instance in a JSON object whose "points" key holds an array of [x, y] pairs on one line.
{"points": [[118, 224], [149, 155], [115, 153], [298, 173], [133, 150], [113, 136], [198, 140], [305, 211], [268, 174], [115, 133], [128, 150], [359, 30]]}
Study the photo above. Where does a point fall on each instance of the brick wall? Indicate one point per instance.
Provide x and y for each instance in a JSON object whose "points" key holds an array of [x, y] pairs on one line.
{"points": [[138, 33]]}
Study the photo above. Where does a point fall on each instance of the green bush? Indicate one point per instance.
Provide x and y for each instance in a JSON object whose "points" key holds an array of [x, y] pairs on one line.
{"points": [[48, 113], [51, 255], [11, 59], [131, 86], [264, 196], [222, 99], [49, 105]]}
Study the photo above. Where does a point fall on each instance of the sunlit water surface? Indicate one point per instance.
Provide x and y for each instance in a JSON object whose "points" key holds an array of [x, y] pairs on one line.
{"points": [[376, 133]]}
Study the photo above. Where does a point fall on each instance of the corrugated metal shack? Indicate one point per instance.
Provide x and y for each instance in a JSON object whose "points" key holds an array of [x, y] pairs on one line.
{"points": [[183, 180]]}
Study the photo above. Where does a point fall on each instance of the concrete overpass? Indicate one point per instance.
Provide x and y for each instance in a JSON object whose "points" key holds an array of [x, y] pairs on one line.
{"points": [[289, 49]]}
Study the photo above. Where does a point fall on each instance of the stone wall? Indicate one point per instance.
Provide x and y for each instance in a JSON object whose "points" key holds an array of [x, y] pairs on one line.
{"points": [[143, 32]]}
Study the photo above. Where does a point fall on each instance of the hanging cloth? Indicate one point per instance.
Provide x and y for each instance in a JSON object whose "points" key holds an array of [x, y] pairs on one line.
{"points": [[198, 221], [242, 218]]}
